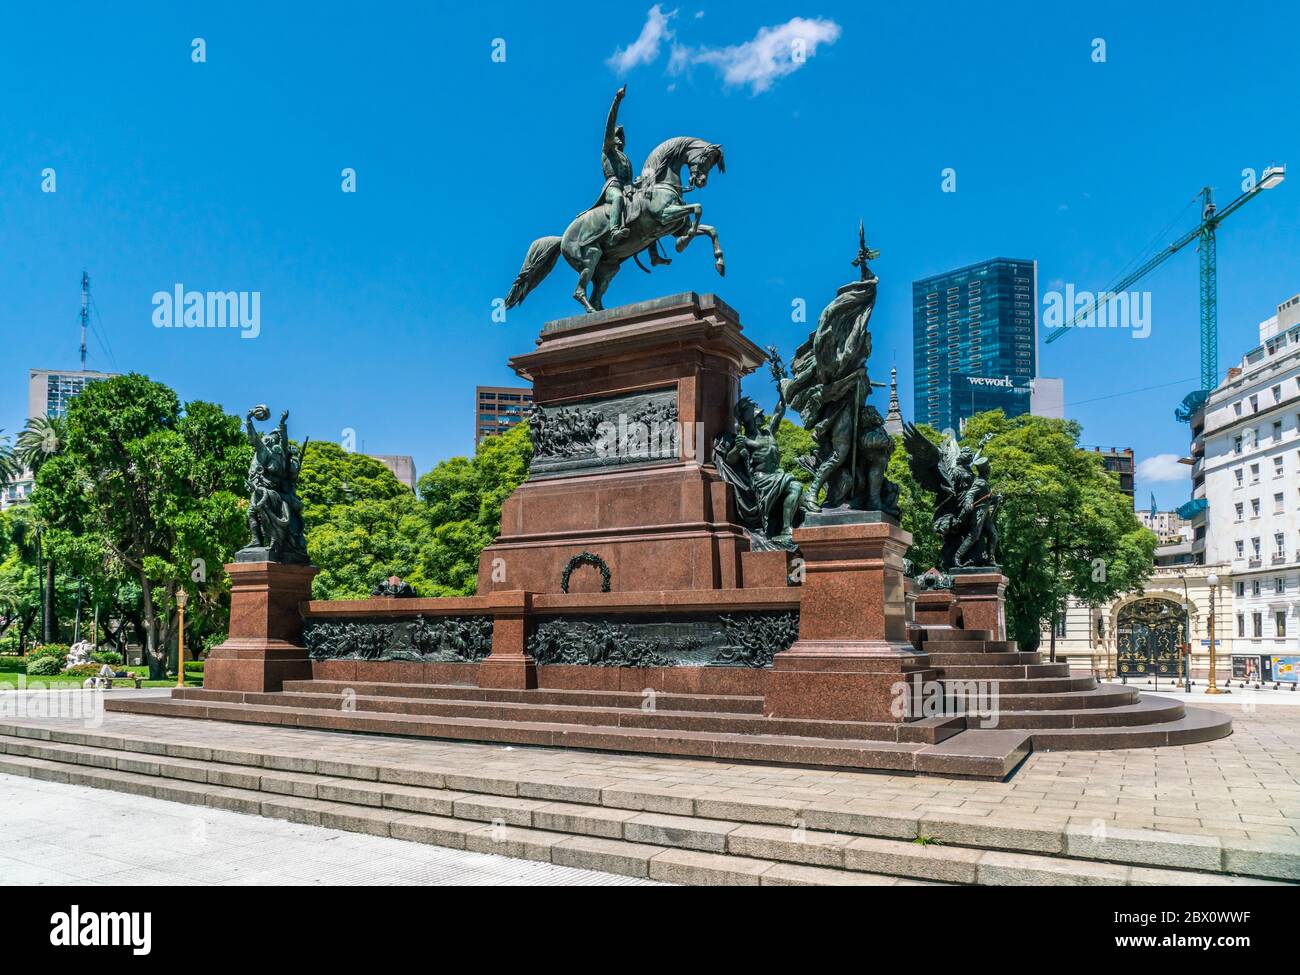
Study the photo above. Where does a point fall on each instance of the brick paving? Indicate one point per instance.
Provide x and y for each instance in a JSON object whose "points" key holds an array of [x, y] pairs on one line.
{"points": [[1246, 786]]}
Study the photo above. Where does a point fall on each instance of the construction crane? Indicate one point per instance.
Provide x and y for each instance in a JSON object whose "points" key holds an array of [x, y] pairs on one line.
{"points": [[1204, 235]]}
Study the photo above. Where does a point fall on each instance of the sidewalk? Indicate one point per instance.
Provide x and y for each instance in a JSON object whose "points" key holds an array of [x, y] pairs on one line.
{"points": [[53, 834]]}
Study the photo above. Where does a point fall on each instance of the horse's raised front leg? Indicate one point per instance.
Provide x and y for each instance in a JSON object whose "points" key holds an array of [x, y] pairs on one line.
{"points": [[718, 260]]}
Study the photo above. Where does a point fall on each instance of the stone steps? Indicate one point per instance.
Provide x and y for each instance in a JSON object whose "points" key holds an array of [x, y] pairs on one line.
{"points": [[1005, 671], [1145, 711], [988, 754], [983, 659], [731, 703], [929, 731], [636, 829]]}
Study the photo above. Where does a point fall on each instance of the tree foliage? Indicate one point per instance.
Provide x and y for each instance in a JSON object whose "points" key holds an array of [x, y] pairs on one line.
{"points": [[1066, 528], [464, 498], [153, 493]]}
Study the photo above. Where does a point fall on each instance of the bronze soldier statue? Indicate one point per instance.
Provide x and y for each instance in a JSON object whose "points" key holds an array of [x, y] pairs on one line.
{"points": [[274, 508], [618, 171]]}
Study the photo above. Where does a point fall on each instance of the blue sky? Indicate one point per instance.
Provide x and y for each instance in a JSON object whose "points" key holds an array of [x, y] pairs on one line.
{"points": [[376, 305]]}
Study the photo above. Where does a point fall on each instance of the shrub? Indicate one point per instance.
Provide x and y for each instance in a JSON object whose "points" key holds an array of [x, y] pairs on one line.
{"points": [[106, 657], [59, 651], [82, 670], [44, 667]]}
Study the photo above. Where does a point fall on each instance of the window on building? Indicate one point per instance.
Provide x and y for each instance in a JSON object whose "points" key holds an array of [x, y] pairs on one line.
{"points": [[1257, 622], [1236, 444], [1277, 467], [1236, 407], [1254, 507], [1277, 429], [1240, 476], [1060, 627], [1279, 584], [1254, 587], [1240, 508], [1241, 589], [1241, 624], [1277, 503], [1279, 546], [1254, 473], [1277, 394], [1254, 404], [1241, 551], [1279, 624]]}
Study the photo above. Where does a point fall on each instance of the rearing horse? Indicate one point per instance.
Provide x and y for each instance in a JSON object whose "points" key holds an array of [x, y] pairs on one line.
{"points": [[657, 210]]}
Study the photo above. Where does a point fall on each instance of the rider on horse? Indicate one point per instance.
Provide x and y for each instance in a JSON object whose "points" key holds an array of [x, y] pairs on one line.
{"points": [[618, 172]]}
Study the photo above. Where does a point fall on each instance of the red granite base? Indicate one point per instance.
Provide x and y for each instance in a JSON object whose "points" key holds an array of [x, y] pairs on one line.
{"points": [[264, 648]]}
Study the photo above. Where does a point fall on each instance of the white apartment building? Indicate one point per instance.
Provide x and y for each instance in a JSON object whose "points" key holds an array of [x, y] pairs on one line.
{"points": [[1248, 473]]}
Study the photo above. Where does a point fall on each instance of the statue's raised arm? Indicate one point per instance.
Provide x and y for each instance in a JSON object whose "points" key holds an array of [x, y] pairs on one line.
{"points": [[611, 123]]}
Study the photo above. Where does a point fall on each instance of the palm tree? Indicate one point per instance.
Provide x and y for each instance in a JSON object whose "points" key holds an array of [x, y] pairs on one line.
{"points": [[8, 463], [43, 439]]}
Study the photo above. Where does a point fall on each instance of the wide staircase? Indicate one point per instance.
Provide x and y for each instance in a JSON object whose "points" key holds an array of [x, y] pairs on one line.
{"points": [[1034, 705], [643, 828], [1056, 709]]}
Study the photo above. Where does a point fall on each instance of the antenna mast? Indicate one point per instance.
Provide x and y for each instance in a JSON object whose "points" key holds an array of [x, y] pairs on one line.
{"points": [[85, 314]]}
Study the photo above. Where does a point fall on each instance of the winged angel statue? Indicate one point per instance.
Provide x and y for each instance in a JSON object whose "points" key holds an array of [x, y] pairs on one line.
{"points": [[965, 506]]}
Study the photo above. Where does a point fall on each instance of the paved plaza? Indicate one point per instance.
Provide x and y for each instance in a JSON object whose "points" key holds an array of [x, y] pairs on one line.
{"points": [[56, 834], [1246, 786]]}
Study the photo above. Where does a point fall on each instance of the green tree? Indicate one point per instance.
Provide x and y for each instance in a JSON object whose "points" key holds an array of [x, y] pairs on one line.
{"points": [[463, 499], [916, 505], [363, 524], [794, 442], [41, 441], [1065, 526], [159, 488]]}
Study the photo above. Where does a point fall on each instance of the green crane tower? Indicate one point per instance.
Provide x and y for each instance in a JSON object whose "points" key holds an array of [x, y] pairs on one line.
{"points": [[1204, 235]]}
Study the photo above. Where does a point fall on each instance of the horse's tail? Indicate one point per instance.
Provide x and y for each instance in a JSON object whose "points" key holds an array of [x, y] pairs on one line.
{"points": [[537, 264]]}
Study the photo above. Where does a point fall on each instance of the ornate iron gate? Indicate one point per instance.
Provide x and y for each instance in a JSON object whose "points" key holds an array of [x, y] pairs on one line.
{"points": [[1150, 638]]}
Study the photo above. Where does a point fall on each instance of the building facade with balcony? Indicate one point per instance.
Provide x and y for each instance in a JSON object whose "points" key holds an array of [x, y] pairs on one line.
{"points": [[1246, 486]]}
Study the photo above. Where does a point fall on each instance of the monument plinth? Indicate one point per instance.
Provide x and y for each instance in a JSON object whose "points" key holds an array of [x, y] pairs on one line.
{"points": [[264, 647], [853, 660], [980, 597], [627, 403]]}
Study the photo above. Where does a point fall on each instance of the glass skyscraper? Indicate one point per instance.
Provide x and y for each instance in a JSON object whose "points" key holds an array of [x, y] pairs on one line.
{"points": [[974, 341]]}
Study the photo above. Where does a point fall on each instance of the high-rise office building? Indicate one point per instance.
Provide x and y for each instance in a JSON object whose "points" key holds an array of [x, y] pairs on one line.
{"points": [[974, 341], [498, 408]]}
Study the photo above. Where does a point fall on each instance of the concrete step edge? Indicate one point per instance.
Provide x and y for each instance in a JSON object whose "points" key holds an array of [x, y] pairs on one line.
{"points": [[698, 830]]}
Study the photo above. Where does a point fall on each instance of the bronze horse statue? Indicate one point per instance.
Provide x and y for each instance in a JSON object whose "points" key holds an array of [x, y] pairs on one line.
{"points": [[656, 210]]}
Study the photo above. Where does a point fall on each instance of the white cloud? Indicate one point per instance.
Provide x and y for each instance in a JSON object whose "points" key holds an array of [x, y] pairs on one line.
{"points": [[645, 49], [1162, 467], [773, 53]]}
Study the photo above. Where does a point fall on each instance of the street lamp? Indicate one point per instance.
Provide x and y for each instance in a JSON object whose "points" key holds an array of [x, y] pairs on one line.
{"points": [[182, 597], [1212, 580], [1272, 176]]}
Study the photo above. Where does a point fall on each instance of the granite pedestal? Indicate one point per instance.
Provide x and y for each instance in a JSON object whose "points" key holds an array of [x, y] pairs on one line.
{"points": [[853, 660], [264, 647]]}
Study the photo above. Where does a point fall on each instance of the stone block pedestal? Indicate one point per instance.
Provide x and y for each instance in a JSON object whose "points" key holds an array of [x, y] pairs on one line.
{"points": [[853, 660], [509, 665], [979, 596], [264, 647]]}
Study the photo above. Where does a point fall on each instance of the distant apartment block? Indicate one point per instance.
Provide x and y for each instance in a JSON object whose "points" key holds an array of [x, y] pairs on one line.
{"points": [[498, 408], [1118, 462], [49, 391], [402, 466]]}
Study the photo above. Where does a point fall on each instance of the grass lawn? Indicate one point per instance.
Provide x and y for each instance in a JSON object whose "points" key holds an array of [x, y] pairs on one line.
{"points": [[12, 667]]}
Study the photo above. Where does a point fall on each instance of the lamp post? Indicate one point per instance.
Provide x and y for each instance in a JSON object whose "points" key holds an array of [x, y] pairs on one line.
{"points": [[182, 597], [1212, 580]]}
